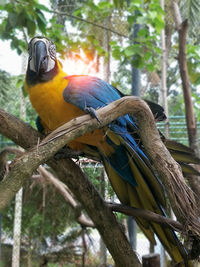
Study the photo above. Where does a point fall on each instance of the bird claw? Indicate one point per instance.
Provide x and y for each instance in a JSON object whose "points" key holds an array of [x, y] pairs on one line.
{"points": [[92, 112]]}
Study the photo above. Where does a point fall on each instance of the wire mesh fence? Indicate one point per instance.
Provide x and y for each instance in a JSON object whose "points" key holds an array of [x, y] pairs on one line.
{"points": [[177, 129]]}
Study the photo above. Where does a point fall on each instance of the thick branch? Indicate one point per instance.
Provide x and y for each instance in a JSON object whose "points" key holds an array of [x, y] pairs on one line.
{"points": [[81, 187], [190, 116], [182, 27], [167, 168], [180, 196], [127, 210]]}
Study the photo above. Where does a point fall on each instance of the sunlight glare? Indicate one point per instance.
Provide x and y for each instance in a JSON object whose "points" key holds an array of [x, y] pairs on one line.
{"points": [[79, 64]]}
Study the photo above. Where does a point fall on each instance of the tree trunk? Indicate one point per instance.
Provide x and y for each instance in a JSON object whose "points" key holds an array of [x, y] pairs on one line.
{"points": [[151, 260], [164, 102], [182, 27], [19, 195], [17, 229], [103, 250], [135, 72], [136, 91]]}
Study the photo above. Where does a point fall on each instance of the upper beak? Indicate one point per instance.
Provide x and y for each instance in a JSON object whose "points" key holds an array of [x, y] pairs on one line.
{"points": [[40, 57]]}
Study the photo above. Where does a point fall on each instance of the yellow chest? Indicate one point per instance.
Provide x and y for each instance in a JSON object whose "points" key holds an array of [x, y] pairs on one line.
{"points": [[47, 100]]}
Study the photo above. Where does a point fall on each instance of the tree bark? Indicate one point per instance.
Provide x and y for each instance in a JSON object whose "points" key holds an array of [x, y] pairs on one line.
{"points": [[182, 27], [190, 115], [151, 260], [164, 102], [17, 229]]}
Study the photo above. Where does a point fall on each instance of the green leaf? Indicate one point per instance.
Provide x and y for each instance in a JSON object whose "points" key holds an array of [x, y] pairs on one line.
{"points": [[104, 5], [131, 19], [42, 7], [116, 53], [41, 16], [134, 49], [143, 32], [152, 14], [159, 24], [113, 43], [129, 51], [31, 27], [12, 19], [138, 62], [150, 67], [41, 22], [25, 94], [147, 55]]}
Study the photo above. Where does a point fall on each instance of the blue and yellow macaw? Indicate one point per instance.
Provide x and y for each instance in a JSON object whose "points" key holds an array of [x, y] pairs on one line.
{"points": [[58, 98]]}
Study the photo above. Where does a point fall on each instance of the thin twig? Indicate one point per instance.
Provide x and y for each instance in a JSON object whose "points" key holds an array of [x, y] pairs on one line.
{"points": [[147, 215], [89, 22]]}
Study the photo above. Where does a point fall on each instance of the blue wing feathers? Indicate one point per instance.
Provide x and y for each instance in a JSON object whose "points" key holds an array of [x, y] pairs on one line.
{"points": [[96, 92], [85, 91]]}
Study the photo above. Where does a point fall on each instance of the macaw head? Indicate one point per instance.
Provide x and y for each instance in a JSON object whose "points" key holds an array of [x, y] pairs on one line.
{"points": [[42, 55]]}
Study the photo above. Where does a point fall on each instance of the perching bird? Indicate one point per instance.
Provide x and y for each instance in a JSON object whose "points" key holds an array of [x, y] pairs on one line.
{"points": [[58, 98]]}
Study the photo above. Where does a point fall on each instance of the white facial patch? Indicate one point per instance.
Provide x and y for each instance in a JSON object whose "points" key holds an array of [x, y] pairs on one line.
{"points": [[50, 49]]}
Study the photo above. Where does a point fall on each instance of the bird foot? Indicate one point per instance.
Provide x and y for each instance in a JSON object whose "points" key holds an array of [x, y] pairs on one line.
{"points": [[92, 112]]}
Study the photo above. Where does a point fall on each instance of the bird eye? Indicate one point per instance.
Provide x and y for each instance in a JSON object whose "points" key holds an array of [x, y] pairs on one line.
{"points": [[30, 51], [52, 50]]}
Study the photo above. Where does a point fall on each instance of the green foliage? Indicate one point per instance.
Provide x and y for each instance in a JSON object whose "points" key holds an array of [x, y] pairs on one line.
{"points": [[10, 87], [9, 94], [193, 63], [45, 215], [19, 17], [190, 10], [196, 97], [143, 51]]}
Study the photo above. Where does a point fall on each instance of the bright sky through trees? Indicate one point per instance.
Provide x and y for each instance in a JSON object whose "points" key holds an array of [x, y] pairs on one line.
{"points": [[10, 61]]}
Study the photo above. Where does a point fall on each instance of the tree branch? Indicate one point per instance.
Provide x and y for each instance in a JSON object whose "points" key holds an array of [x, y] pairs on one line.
{"points": [[62, 188], [180, 195], [182, 27], [89, 22], [127, 210], [147, 215], [85, 192]]}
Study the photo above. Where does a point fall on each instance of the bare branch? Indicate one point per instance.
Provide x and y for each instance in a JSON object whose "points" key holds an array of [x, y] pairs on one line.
{"points": [[89, 22], [192, 130], [147, 215], [63, 189], [177, 14]]}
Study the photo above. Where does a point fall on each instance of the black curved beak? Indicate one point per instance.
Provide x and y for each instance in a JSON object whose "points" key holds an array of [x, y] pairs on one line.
{"points": [[40, 57]]}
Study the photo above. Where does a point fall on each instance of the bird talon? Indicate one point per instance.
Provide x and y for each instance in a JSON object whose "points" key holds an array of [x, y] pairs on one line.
{"points": [[92, 112]]}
